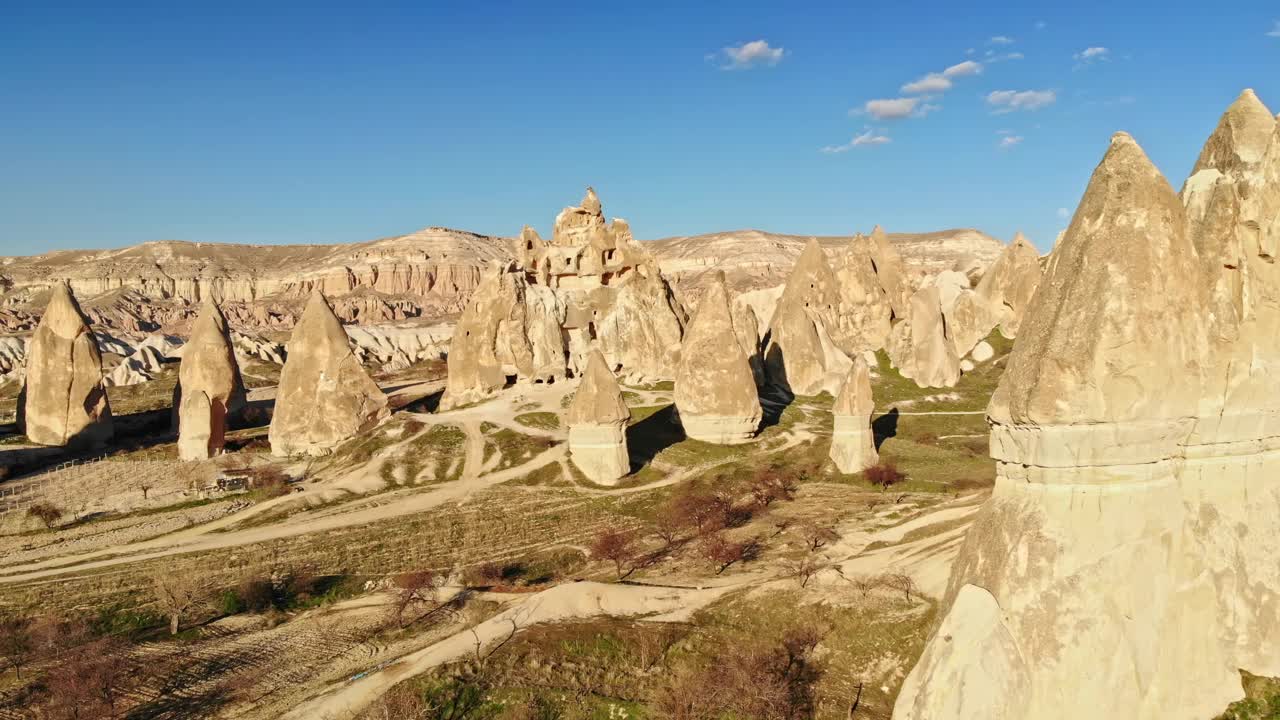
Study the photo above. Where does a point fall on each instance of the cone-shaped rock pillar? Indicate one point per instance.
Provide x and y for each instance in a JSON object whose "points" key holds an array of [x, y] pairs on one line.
{"points": [[715, 391], [597, 420], [210, 390], [63, 400], [325, 395], [853, 445]]}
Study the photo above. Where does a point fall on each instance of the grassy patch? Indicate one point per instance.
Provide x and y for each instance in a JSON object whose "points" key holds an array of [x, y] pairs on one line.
{"points": [[539, 420], [156, 394], [516, 448], [443, 446], [1261, 700]]}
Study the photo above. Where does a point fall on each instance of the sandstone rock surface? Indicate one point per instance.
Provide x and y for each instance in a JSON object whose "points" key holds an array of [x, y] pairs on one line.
{"points": [[1126, 559], [210, 391], [853, 445], [1010, 283], [802, 355], [715, 391], [597, 419], [325, 396], [63, 401], [919, 347]]}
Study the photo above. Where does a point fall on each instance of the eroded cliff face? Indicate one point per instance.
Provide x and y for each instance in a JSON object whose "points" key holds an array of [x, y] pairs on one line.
{"points": [[1124, 566]]}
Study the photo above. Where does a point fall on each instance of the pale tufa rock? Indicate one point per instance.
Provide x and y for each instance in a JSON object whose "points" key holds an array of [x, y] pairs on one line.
{"points": [[853, 445], [597, 419], [210, 390], [715, 391], [63, 401], [325, 396]]}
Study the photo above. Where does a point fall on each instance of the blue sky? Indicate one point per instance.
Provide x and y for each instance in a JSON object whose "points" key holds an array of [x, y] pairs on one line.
{"points": [[299, 123]]}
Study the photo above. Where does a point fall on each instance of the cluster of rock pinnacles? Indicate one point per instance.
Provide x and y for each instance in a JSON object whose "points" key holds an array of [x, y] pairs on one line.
{"points": [[1126, 563]]}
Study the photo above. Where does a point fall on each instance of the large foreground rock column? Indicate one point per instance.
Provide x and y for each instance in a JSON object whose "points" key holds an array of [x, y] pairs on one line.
{"points": [[715, 390], [210, 390], [63, 401], [853, 445], [1082, 585], [325, 395], [597, 421]]}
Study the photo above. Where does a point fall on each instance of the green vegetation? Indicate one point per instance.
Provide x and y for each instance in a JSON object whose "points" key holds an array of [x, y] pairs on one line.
{"points": [[539, 420], [443, 447], [516, 448], [1261, 700]]}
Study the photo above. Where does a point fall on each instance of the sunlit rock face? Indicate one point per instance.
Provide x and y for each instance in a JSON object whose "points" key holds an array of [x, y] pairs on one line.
{"points": [[536, 318], [210, 390], [63, 400], [597, 420], [325, 395], [1125, 562], [853, 444], [715, 390]]}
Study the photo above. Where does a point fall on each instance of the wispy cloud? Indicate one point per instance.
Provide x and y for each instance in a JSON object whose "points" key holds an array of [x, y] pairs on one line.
{"points": [[1063, 213], [750, 54], [1275, 31], [868, 138], [1092, 55], [968, 67], [1000, 40], [1008, 142], [896, 108], [1007, 101], [1004, 57], [1040, 25], [931, 83]]}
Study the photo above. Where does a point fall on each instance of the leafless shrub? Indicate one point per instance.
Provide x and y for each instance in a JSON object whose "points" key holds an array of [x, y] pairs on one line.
{"points": [[816, 535], [89, 682], [723, 552], [900, 582], [865, 584], [617, 547], [176, 594], [46, 512], [805, 567], [885, 474], [17, 644], [414, 589]]}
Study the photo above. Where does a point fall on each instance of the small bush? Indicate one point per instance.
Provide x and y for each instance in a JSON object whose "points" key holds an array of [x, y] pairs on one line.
{"points": [[46, 512], [885, 474], [229, 603]]}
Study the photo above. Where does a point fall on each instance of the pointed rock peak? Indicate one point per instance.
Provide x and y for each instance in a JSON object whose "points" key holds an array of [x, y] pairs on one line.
{"points": [[813, 255], [598, 400], [591, 202], [63, 314], [319, 323], [855, 394], [1019, 239], [1248, 104], [877, 232], [1124, 154], [1240, 138], [210, 316], [528, 233]]}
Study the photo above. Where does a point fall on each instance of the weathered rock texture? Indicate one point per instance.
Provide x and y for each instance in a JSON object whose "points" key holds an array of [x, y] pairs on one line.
{"points": [[1011, 282], [715, 391], [807, 323], [919, 347], [597, 421], [1125, 562], [853, 445], [325, 396], [209, 391], [534, 320], [63, 401]]}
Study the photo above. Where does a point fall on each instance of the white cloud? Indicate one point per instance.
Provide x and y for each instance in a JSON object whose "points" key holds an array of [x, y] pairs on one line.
{"points": [[1041, 25], [893, 109], [1063, 213], [1275, 31], [969, 51], [1093, 54], [1006, 101], [1010, 141], [868, 138], [1006, 56], [968, 67], [751, 54], [1000, 40], [931, 83]]}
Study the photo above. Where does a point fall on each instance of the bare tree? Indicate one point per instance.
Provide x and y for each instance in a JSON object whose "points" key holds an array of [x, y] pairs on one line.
{"points": [[723, 552], [17, 643], [419, 588], [805, 567], [617, 547], [177, 594], [701, 510], [815, 535], [666, 527], [864, 584], [902, 583], [46, 512], [145, 486], [89, 682]]}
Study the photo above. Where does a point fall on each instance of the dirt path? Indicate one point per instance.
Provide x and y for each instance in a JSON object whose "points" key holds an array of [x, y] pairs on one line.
{"points": [[563, 602]]}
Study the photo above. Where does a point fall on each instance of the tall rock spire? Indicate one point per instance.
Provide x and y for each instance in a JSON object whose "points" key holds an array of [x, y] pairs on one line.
{"points": [[853, 445], [209, 391], [597, 421], [63, 401], [715, 391], [325, 395]]}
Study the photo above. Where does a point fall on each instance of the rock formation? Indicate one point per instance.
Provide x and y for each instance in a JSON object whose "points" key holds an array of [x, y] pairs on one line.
{"points": [[535, 319], [715, 391], [209, 391], [919, 347], [597, 421], [325, 396], [853, 445], [864, 299], [1010, 283], [1126, 559], [808, 322], [890, 272], [63, 401]]}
